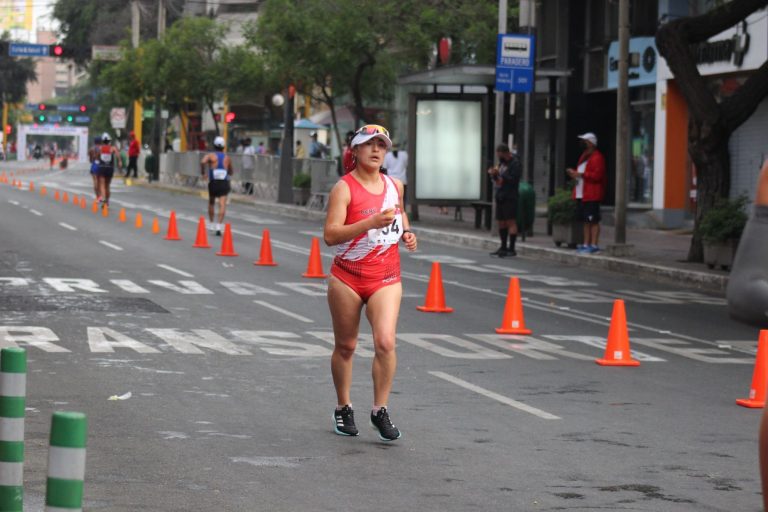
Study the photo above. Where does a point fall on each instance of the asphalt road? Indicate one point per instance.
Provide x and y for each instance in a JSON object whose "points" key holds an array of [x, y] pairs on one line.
{"points": [[227, 366]]}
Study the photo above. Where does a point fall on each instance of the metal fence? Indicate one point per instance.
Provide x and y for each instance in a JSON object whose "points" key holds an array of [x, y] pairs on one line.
{"points": [[257, 175]]}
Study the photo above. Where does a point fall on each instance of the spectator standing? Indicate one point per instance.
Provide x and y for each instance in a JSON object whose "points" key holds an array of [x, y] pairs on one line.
{"points": [[316, 148], [506, 182], [133, 156], [261, 150], [396, 164], [249, 163], [589, 191], [348, 158], [300, 152]]}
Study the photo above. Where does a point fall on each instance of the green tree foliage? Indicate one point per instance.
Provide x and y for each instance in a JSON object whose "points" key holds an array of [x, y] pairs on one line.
{"points": [[189, 64], [14, 75], [331, 49]]}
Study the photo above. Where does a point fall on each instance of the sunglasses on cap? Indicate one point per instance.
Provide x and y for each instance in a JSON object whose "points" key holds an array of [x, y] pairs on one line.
{"points": [[373, 129]]}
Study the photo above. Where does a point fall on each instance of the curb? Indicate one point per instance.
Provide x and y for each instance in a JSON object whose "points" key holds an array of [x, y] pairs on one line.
{"points": [[696, 279]]}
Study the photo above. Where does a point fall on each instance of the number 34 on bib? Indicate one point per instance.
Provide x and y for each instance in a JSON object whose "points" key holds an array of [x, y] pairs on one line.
{"points": [[388, 235]]}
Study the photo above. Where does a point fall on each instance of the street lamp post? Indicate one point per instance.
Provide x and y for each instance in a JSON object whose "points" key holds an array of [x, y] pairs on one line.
{"points": [[284, 184]]}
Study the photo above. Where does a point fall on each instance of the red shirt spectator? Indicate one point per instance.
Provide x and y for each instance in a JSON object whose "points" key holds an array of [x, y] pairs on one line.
{"points": [[134, 148], [595, 179]]}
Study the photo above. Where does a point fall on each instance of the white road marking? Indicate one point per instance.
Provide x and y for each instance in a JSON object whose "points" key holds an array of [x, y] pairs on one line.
{"points": [[67, 226], [180, 272], [14, 203], [111, 246], [39, 214], [495, 396], [284, 311]]}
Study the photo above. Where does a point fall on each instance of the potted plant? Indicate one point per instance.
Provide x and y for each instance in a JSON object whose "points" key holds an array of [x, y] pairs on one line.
{"points": [[561, 210], [720, 229], [301, 184]]}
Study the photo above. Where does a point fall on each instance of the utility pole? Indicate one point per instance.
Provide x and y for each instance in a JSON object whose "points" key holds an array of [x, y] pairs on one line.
{"points": [[622, 121], [285, 182], [498, 126], [528, 26], [135, 39], [159, 142]]}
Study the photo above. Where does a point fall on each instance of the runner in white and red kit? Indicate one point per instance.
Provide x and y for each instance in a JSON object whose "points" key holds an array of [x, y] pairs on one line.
{"points": [[366, 221]]}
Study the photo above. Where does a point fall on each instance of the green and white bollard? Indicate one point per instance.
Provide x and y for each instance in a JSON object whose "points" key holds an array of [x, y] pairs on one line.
{"points": [[66, 462], [13, 392]]}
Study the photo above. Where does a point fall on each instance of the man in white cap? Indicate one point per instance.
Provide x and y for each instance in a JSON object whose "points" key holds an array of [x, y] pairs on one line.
{"points": [[217, 168], [589, 191]]}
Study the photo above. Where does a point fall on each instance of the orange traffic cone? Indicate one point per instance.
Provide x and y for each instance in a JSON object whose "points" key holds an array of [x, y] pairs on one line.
{"points": [[201, 241], [617, 349], [43, 190], [139, 221], [56, 196], [265, 258], [95, 206], [155, 226], [31, 186], [83, 202], [512, 322], [75, 200], [64, 198], [226, 243], [315, 264], [756, 398], [434, 302], [173, 233], [105, 211], [121, 217]]}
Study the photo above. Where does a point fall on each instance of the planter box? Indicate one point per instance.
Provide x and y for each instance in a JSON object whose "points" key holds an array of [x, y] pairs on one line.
{"points": [[300, 195], [569, 234], [720, 254]]}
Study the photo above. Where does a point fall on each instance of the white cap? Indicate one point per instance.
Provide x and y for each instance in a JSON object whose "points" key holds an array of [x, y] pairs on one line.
{"points": [[218, 142], [368, 132], [589, 136]]}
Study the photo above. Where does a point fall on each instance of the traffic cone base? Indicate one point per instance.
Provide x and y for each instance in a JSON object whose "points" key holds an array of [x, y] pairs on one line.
{"points": [[617, 347], [201, 241], [512, 321], [434, 302], [315, 264], [265, 256], [757, 390], [227, 249]]}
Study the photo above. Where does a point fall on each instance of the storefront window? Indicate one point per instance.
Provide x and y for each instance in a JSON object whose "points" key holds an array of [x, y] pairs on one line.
{"points": [[640, 191]]}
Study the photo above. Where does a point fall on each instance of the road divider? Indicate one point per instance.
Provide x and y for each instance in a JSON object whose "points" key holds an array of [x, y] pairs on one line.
{"points": [[66, 462]]}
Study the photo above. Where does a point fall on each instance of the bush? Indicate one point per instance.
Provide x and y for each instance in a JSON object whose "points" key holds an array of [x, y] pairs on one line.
{"points": [[302, 180], [725, 220], [561, 208]]}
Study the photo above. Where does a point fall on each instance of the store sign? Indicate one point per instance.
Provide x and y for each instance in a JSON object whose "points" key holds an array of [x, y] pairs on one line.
{"points": [[642, 69], [743, 47]]}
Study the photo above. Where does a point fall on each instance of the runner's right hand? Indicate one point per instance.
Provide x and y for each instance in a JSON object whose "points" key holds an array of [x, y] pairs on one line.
{"points": [[383, 218]]}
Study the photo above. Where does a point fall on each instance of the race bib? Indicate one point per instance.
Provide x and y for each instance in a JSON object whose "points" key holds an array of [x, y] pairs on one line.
{"points": [[106, 158], [388, 235], [219, 174]]}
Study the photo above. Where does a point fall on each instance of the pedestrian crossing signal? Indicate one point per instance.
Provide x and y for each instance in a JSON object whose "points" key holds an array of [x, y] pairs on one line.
{"points": [[229, 117], [70, 119], [41, 118]]}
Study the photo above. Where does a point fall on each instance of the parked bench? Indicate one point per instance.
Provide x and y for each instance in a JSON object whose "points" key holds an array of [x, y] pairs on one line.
{"points": [[482, 208]]}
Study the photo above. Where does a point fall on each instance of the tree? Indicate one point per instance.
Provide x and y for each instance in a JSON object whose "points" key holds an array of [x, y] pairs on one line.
{"points": [[710, 123], [331, 49], [14, 75]]}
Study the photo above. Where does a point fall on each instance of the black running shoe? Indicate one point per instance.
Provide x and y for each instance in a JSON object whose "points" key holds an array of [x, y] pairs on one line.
{"points": [[344, 421], [383, 425], [499, 252]]}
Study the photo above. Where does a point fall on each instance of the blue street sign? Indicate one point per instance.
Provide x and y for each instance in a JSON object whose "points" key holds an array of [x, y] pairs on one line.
{"points": [[27, 50], [82, 119], [54, 118], [514, 63]]}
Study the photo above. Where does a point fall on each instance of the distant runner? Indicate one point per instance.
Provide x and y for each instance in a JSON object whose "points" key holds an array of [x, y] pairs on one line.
{"points": [[216, 167], [108, 157]]}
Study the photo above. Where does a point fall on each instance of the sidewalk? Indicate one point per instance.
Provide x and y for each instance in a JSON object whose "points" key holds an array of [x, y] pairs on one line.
{"points": [[658, 255]]}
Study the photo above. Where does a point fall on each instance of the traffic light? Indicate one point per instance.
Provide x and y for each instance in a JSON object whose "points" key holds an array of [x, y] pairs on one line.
{"points": [[70, 118], [41, 118], [8, 129], [229, 117], [61, 51], [83, 108], [42, 106]]}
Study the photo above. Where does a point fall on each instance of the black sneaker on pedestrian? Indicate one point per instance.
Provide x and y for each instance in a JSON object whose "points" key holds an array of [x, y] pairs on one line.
{"points": [[383, 425], [511, 253], [344, 421], [500, 252]]}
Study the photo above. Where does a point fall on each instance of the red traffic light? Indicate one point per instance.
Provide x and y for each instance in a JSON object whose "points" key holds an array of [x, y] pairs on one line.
{"points": [[83, 108], [57, 50], [41, 106], [229, 117], [8, 129]]}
